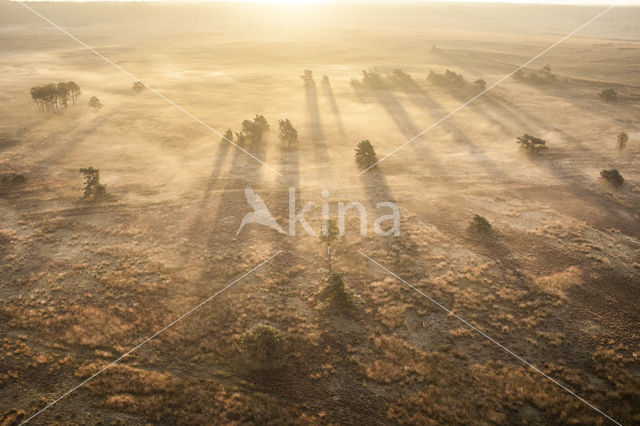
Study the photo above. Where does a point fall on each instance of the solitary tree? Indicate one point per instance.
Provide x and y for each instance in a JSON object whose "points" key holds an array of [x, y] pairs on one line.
{"points": [[612, 176], [288, 134], [265, 348], [609, 95], [330, 234], [365, 155], [623, 138], [532, 144], [138, 86], [95, 103], [93, 189]]}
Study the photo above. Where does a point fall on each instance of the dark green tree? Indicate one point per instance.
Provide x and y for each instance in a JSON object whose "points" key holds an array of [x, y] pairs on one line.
{"points": [[623, 138], [365, 155], [336, 297], [93, 189], [532, 144]]}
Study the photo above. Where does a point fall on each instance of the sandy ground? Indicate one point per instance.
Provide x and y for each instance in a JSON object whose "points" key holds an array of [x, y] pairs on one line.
{"points": [[83, 282]]}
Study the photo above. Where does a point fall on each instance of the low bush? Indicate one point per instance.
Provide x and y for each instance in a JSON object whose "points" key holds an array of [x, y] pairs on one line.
{"points": [[265, 348], [612, 176]]}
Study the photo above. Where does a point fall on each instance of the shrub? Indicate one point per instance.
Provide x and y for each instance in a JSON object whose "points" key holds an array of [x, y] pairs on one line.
{"points": [[13, 178], [480, 85], [480, 225], [93, 189], [609, 95], [138, 86], [612, 176], [532, 144], [542, 76], [265, 348], [365, 155], [623, 138], [336, 296]]}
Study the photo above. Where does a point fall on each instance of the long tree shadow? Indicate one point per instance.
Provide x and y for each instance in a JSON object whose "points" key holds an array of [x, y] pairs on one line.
{"points": [[424, 100], [314, 123], [61, 151], [595, 209], [328, 92], [376, 91], [221, 156]]}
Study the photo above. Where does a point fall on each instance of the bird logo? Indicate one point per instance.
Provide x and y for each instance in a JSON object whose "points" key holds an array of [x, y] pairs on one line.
{"points": [[260, 213]]}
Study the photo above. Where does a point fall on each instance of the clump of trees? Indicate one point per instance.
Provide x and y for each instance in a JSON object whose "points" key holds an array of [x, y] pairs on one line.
{"points": [[480, 226], [53, 97], [138, 86], [288, 134], [365, 155], [612, 176], [254, 129], [542, 76], [622, 138], [336, 297], [447, 79], [93, 189], [609, 95], [532, 144], [95, 103], [265, 348]]}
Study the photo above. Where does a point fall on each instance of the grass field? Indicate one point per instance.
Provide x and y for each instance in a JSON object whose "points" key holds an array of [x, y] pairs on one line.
{"points": [[557, 281]]}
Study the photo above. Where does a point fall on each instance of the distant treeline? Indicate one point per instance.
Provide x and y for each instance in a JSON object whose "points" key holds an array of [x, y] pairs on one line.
{"points": [[52, 97]]}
